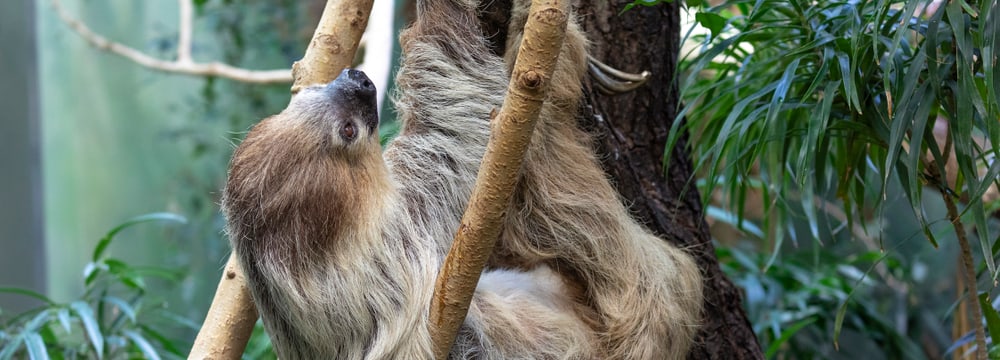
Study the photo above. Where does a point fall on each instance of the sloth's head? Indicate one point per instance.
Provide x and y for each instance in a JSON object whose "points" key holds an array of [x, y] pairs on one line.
{"points": [[340, 117], [309, 173]]}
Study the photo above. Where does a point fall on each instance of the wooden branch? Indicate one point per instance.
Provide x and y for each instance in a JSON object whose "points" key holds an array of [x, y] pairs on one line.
{"points": [[225, 332], [229, 321], [333, 44], [510, 135], [184, 63]]}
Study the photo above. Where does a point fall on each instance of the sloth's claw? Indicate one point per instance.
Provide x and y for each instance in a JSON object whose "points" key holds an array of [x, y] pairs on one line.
{"points": [[613, 81]]}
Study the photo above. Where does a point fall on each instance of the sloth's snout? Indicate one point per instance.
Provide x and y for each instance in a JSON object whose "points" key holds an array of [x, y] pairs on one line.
{"points": [[353, 83], [356, 91], [362, 80]]}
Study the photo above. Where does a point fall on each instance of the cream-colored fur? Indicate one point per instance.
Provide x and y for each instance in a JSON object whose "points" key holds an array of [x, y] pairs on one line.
{"points": [[341, 243]]}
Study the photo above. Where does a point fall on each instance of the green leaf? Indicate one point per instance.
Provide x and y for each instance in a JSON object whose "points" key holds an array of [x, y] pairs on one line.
{"points": [[26, 292], [847, 77], [49, 337], [992, 318], [106, 240], [115, 266], [165, 343], [734, 221], [36, 347], [838, 323], [37, 322], [143, 345], [90, 273], [101, 245], [133, 281], [11, 347], [123, 306], [786, 334], [711, 21], [90, 325], [694, 3], [63, 315], [780, 91], [779, 236], [124, 273]]}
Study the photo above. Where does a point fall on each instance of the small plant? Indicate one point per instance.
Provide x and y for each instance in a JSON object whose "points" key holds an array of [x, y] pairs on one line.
{"points": [[110, 320]]}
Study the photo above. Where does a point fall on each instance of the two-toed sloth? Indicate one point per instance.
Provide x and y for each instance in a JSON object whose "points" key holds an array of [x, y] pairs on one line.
{"points": [[341, 242]]}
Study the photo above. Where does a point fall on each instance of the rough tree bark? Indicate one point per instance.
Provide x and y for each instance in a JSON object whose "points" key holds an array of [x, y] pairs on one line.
{"points": [[631, 130]]}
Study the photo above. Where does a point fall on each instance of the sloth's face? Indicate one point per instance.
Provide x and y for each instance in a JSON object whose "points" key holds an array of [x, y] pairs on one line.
{"points": [[343, 113], [326, 138]]}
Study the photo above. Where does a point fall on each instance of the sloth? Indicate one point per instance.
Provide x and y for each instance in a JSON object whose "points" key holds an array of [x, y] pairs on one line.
{"points": [[341, 241]]}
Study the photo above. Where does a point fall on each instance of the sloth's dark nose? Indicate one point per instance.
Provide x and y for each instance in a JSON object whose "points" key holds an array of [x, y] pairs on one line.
{"points": [[356, 81], [353, 91], [362, 79]]}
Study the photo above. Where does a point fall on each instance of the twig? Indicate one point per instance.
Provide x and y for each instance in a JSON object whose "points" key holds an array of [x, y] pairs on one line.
{"points": [[511, 133], [184, 63]]}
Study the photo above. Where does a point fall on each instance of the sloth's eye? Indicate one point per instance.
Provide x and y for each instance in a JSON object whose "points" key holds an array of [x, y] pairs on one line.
{"points": [[348, 132]]}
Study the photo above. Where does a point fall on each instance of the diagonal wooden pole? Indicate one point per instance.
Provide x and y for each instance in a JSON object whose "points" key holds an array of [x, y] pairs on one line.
{"points": [[231, 317], [510, 135]]}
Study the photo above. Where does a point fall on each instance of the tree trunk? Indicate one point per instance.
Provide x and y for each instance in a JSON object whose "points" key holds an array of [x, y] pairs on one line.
{"points": [[631, 129]]}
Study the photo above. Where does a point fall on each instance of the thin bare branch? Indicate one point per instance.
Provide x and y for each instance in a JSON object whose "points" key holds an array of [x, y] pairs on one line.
{"points": [[180, 66], [185, 27]]}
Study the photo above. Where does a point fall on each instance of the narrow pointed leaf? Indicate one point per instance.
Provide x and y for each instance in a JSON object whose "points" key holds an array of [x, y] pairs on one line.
{"points": [[90, 325], [36, 347], [144, 346]]}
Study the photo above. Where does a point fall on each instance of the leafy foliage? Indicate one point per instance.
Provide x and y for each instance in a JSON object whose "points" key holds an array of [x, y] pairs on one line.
{"points": [[823, 99], [789, 305], [114, 318], [110, 320], [808, 104]]}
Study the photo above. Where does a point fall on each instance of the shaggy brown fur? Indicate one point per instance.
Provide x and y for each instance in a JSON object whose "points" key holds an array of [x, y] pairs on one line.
{"points": [[341, 243]]}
